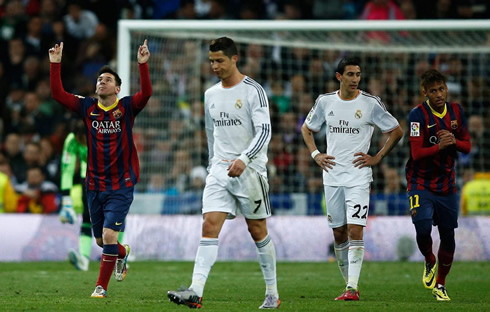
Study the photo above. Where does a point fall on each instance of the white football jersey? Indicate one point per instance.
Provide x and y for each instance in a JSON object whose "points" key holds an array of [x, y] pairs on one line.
{"points": [[238, 123], [349, 127]]}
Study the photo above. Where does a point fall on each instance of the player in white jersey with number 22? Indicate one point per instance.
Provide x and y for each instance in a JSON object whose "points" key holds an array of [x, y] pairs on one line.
{"points": [[350, 116], [238, 129]]}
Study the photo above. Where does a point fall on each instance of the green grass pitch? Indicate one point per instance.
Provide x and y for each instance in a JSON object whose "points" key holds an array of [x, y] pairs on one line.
{"points": [[238, 286]]}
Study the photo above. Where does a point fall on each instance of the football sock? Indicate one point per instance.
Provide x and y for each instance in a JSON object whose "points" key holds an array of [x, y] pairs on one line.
{"points": [[342, 255], [445, 254], [122, 251], [107, 263], [206, 256], [266, 254], [356, 255], [445, 262]]}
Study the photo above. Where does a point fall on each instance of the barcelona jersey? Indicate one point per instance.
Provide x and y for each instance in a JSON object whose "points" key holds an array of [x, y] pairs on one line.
{"points": [[112, 160], [429, 168]]}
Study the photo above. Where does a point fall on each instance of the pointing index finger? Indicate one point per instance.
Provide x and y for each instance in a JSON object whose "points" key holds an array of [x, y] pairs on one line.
{"points": [[146, 42]]}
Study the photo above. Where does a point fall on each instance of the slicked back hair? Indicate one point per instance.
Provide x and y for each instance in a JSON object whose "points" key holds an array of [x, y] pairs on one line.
{"points": [[355, 61], [430, 77], [107, 69], [224, 44]]}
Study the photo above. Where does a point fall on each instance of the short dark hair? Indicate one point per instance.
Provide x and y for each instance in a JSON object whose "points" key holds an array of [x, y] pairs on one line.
{"points": [[430, 77], [224, 44], [354, 60], [107, 69]]}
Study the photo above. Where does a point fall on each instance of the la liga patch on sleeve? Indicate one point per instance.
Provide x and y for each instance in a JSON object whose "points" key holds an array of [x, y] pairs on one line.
{"points": [[415, 129]]}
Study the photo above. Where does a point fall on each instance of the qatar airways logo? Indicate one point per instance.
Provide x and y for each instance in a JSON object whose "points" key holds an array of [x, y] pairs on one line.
{"points": [[106, 126], [225, 120], [343, 127]]}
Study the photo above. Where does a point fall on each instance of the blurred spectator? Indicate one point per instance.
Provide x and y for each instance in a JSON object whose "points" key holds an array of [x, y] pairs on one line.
{"points": [[13, 22], [80, 23], [50, 161], [15, 61], [36, 43], [32, 73], [8, 197], [198, 178], [32, 115], [380, 10], [477, 9], [475, 197], [13, 151], [393, 199], [187, 10], [478, 158], [159, 184], [37, 195], [96, 52]]}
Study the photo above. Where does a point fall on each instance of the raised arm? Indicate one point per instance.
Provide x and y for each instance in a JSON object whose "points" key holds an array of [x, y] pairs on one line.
{"points": [[57, 92], [141, 98]]}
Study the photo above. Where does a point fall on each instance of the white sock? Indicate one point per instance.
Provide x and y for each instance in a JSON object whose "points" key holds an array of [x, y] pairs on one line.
{"points": [[206, 256], [342, 254], [266, 254], [356, 255]]}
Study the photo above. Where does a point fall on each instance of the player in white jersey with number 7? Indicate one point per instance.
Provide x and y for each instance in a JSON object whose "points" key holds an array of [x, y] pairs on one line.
{"points": [[350, 116], [238, 129]]}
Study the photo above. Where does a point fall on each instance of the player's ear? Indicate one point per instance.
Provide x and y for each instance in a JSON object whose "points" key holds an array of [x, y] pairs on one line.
{"points": [[118, 89], [338, 76], [234, 58]]}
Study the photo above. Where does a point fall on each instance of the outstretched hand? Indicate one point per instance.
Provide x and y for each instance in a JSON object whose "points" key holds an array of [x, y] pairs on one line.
{"points": [[143, 53], [55, 53]]}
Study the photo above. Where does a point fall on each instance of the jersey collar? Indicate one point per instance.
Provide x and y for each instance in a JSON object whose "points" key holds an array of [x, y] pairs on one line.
{"points": [[106, 109], [440, 115]]}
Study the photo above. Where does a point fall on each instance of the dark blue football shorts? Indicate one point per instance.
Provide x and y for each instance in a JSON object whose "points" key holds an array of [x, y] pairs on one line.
{"points": [[109, 209], [442, 209]]}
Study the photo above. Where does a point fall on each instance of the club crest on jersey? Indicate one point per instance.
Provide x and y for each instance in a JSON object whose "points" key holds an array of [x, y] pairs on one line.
{"points": [[329, 217], [117, 113], [415, 129], [238, 104], [358, 114], [454, 124], [413, 212]]}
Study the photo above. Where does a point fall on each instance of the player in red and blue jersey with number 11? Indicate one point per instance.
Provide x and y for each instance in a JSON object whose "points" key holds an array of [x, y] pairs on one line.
{"points": [[112, 161], [437, 131]]}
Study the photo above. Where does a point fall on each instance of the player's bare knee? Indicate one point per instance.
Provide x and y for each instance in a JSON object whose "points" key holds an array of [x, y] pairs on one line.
{"points": [[340, 234], [355, 231], [257, 229]]}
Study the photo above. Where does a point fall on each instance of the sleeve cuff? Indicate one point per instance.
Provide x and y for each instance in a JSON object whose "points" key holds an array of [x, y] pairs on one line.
{"points": [[245, 159]]}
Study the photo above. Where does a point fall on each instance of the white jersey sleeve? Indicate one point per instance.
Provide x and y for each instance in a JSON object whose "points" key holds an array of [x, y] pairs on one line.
{"points": [[261, 122], [316, 116], [208, 124], [382, 118]]}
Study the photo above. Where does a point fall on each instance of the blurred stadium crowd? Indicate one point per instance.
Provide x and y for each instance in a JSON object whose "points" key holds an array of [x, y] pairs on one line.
{"points": [[33, 127]]}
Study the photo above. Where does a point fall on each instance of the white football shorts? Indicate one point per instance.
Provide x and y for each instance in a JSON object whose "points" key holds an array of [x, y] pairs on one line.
{"points": [[347, 205], [247, 194]]}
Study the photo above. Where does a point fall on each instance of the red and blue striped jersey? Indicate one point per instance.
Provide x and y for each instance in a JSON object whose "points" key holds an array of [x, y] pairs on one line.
{"points": [[112, 160], [429, 168]]}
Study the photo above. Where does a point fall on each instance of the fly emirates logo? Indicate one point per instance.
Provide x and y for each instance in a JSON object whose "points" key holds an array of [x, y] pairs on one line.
{"points": [[343, 127], [106, 126], [225, 120]]}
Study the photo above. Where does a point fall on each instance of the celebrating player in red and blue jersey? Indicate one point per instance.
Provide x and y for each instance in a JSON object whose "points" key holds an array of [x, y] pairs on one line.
{"points": [[438, 131], [112, 162]]}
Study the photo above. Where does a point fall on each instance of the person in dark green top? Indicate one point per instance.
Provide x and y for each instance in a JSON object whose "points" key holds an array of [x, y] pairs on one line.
{"points": [[74, 201]]}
